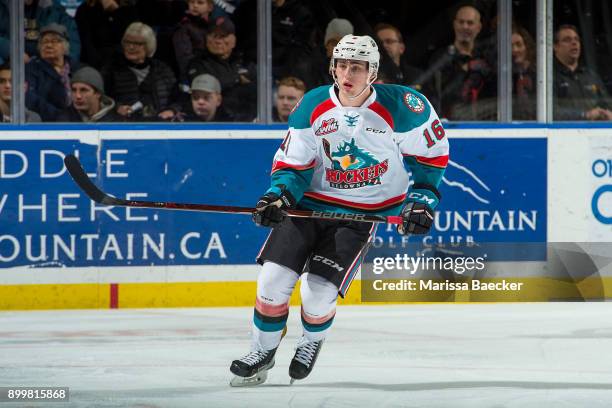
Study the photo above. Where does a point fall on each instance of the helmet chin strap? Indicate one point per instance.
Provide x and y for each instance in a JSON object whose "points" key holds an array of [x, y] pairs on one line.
{"points": [[360, 93], [363, 90]]}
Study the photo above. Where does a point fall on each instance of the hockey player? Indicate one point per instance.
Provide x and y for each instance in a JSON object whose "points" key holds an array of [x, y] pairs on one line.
{"points": [[350, 149]]}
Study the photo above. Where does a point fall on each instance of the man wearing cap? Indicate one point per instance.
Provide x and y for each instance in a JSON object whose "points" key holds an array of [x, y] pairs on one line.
{"points": [[38, 14], [205, 103], [89, 103], [48, 76], [237, 80]]}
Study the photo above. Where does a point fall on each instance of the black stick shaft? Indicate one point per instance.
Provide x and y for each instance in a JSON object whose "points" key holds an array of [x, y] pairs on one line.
{"points": [[84, 182]]}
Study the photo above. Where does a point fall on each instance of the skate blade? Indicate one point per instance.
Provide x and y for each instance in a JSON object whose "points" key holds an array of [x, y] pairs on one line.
{"points": [[252, 381], [291, 381]]}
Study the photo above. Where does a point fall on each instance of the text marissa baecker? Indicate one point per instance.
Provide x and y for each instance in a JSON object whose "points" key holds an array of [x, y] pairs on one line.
{"points": [[412, 264]]}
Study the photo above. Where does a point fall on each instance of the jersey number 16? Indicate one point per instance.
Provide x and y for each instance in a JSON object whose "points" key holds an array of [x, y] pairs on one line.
{"points": [[438, 131]]}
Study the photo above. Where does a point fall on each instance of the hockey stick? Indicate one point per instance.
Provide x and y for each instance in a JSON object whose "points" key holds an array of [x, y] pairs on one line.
{"points": [[84, 182]]}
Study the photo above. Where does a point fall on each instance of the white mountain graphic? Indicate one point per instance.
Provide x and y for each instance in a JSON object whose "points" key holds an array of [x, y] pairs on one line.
{"points": [[466, 188]]}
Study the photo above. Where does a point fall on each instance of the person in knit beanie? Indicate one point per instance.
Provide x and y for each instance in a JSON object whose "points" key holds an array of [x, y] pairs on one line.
{"points": [[89, 103]]}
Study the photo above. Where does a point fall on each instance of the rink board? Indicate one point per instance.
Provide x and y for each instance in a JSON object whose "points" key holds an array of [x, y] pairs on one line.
{"points": [[58, 250]]}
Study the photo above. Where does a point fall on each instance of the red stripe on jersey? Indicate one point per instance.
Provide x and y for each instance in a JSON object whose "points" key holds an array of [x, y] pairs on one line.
{"points": [[321, 109], [382, 112], [354, 204], [438, 161], [279, 165]]}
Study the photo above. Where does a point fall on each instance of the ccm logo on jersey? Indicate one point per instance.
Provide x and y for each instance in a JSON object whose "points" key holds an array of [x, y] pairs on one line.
{"points": [[375, 130], [328, 126], [327, 262], [338, 216], [422, 198]]}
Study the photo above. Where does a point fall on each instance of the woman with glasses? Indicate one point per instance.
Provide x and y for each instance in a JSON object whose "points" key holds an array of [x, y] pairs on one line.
{"points": [[143, 86]]}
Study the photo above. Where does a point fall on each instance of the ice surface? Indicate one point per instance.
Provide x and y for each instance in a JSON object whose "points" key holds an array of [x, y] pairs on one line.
{"points": [[425, 355]]}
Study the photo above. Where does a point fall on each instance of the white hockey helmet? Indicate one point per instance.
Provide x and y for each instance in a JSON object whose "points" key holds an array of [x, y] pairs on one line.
{"points": [[360, 48]]}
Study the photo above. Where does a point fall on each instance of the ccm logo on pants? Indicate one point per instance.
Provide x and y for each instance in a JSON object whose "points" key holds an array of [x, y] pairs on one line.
{"points": [[327, 262]]}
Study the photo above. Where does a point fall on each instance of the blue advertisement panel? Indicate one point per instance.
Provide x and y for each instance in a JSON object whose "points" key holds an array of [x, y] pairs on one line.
{"points": [[494, 191]]}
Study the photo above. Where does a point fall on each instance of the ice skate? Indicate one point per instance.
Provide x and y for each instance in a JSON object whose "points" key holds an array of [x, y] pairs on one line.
{"points": [[304, 359], [252, 369]]}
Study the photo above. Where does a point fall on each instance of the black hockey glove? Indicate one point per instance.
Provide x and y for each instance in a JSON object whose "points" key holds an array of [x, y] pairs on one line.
{"points": [[417, 219], [270, 208]]}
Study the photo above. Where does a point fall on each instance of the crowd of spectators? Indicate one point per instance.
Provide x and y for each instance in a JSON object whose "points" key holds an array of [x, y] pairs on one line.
{"points": [[195, 60]]}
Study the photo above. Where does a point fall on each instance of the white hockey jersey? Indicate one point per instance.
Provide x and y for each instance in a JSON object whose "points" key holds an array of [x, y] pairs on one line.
{"points": [[359, 159]]}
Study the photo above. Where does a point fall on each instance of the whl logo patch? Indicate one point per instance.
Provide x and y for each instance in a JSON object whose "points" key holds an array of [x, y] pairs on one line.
{"points": [[328, 126], [352, 167]]}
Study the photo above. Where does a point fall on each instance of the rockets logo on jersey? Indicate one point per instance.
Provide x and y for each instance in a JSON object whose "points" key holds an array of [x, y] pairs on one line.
{"points": [[328, 126], [352, 167], [414, 103]]}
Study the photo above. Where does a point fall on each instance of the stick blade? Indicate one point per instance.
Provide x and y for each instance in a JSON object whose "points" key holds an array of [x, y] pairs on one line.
{"points": [[82, 180]]}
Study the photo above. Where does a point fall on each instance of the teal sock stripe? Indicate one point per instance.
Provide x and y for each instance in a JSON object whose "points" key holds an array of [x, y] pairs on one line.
{"points": [[269, 324], [317, 327]]}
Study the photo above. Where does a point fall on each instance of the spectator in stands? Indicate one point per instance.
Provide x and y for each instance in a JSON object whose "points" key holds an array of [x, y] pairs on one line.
{"points": [[205, 102], [89, 103], [101, 24], [523, 74], [5, 96], [398, 71], [290, 91], [190, 37], [318, 74], [48, 76], [225, 8], [38, 14], [292, 29], [142, 86], [163, 16], [237, 80], [578, 92], [463, 83]]}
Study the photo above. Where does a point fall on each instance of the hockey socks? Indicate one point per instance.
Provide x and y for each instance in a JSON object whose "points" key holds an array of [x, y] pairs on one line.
{"points": [[316, 328], [269, 321], [274, 286], [318, 306], [318, 310]]}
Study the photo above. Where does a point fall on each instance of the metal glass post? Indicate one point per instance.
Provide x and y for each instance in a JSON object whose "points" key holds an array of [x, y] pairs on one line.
{"points": [[264, 61], [544, 60], [504, 60], [16, 17]]}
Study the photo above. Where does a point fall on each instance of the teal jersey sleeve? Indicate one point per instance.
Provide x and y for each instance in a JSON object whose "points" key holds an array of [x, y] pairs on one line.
{"points": [[295, 160], [421, 138]]}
